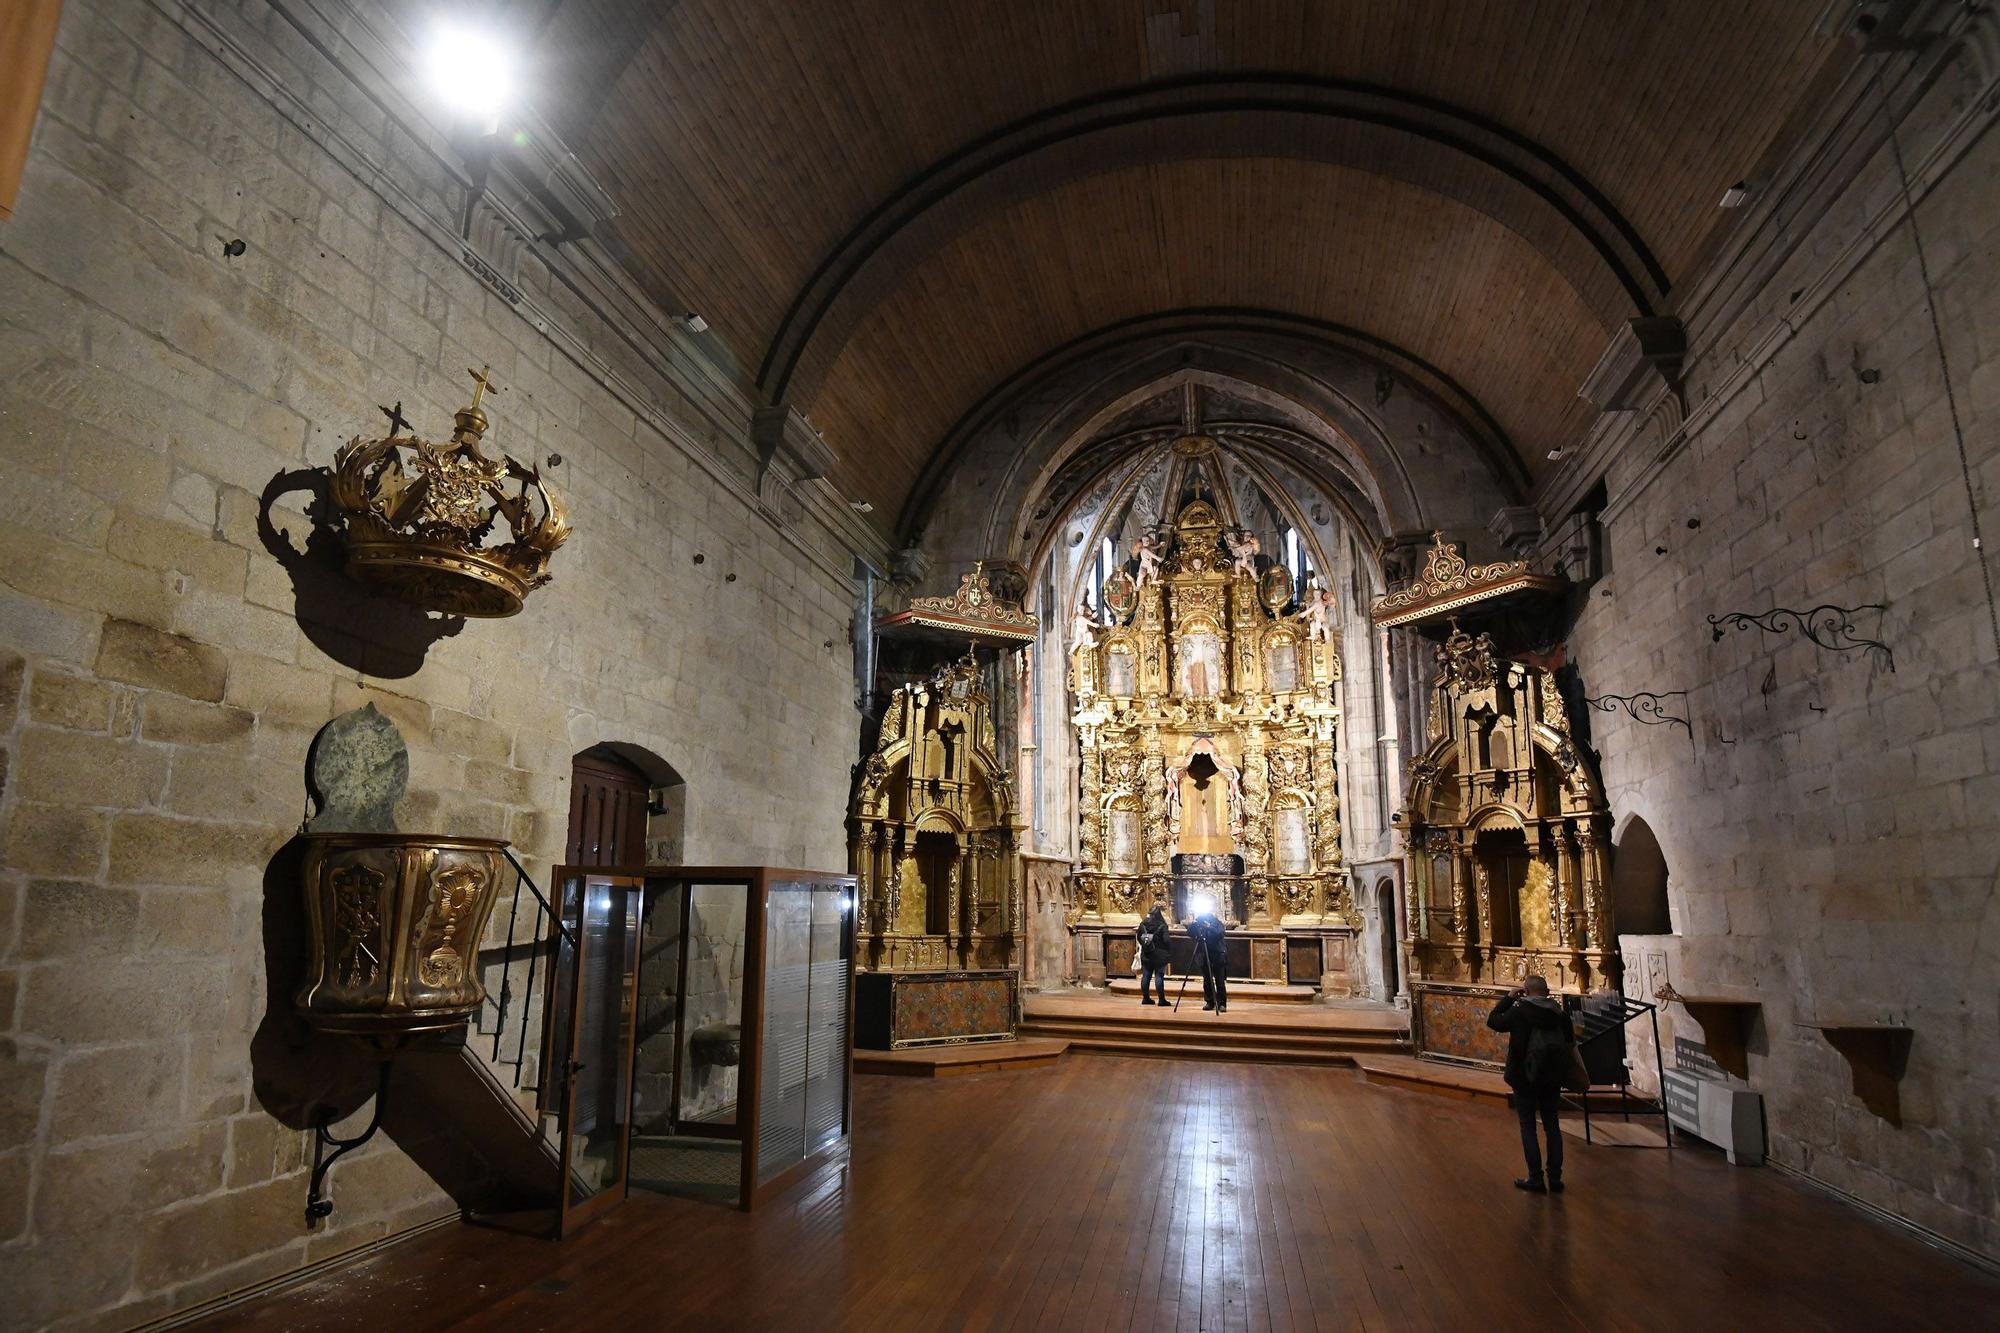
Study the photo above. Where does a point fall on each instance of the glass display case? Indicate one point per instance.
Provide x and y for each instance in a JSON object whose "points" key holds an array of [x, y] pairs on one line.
{"points": [[699, 1032]]}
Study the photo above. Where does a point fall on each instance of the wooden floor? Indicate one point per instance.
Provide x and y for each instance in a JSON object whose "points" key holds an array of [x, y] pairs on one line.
{"points": [[1113, 1193]]}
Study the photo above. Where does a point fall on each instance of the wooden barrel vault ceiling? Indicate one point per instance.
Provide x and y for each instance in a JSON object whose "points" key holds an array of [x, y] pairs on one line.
{"points": [[886, 210]]}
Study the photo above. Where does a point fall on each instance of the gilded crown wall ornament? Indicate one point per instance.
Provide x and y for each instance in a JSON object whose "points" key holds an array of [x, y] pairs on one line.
{"points": [[418, 517]]}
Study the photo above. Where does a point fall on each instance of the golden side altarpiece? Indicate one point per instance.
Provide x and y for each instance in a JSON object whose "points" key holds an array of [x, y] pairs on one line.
{"points": [[1506, 828], [932, 838]]}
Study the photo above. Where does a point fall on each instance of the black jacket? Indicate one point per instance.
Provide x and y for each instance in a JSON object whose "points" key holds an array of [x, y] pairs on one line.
{"points": [[1155, 943], [1208, 929], [1521, 1017]]}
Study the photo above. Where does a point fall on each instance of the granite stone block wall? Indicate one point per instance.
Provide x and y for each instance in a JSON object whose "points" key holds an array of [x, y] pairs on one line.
{"points": [[1832, 828], [168, 650]]}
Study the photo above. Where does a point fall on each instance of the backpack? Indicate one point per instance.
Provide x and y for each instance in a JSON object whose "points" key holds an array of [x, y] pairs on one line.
{"points": [[1545, 1065]]}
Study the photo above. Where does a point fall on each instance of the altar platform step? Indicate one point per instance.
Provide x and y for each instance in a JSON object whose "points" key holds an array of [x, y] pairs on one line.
{"points": [[1469, 1083], [980, 1057], [1240, 992], [1441, 1080], [1315, 1035]]}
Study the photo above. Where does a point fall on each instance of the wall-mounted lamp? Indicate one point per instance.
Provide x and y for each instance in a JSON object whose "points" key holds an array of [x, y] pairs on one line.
{"points": [[470, 71]]}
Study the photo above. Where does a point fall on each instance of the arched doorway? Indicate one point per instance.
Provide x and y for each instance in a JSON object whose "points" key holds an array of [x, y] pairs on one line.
{"points": [[627, 807]]}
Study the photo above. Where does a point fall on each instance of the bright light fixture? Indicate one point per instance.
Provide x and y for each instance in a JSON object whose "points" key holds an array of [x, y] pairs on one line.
{"points": [[1198, 903], [1734, 196], [470, 71]]}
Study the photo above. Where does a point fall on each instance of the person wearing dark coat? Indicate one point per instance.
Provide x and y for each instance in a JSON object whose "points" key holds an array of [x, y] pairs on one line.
{"points": [[1539, 1038], [1209, 955], [1155, 952]]}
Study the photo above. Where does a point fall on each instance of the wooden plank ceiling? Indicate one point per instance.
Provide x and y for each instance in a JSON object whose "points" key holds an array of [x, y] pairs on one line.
{"points": [[744, 139]]}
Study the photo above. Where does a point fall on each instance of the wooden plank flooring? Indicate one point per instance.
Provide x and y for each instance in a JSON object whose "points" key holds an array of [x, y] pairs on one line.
{"points": [[1113, 1193]]}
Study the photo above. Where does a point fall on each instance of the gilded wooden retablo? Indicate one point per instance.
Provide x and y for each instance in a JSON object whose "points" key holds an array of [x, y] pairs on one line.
{"points": [[1507, 836], [1206, 719], [932, 838]]}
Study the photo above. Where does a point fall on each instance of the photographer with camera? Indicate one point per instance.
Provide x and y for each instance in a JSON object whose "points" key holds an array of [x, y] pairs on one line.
{"points": [[1207, 930], [1540, 1046]]}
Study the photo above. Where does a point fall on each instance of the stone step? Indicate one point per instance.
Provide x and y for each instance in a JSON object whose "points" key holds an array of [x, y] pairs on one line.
{"points": [[1164, 1046], [1240, 992], [1024, 1052], [1210, 1030]]}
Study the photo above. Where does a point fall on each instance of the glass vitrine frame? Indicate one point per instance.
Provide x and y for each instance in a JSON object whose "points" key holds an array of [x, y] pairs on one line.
{"points": [[760, 884]]}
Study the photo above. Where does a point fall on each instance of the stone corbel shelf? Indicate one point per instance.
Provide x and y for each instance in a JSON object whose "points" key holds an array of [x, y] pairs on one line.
{"points": [[1725, 1026], [1876, 1055]]}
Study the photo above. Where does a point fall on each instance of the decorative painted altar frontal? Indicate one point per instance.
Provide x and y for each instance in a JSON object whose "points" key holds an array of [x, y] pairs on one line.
{"points": [[894, 1010], [1449, 1023]]}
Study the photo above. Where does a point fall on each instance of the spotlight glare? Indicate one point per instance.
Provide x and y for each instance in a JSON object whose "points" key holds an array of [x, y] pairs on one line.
{"points": [[470, 71], [1200, 903]]}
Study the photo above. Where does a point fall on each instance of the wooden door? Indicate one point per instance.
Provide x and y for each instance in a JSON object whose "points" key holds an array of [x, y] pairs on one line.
{"points": [[607, 811]]}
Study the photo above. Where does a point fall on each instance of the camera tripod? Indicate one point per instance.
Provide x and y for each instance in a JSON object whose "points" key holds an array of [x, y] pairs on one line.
{"points": [[1201, 944]]}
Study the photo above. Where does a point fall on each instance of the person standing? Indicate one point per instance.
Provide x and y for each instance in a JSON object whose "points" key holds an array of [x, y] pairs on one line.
{"points": [[1155, 952], [1539, 1039], [1209, 955]]}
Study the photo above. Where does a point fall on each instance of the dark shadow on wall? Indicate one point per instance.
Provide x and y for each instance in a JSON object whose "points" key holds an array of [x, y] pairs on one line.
{"points": [[1639, 882], [344, 620]]}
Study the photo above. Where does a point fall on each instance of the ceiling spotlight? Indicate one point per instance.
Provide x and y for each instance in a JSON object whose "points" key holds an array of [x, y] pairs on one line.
{"points": [[470, 71], [695, 323], [1555, 455], [1734, 196], [861, 506]]}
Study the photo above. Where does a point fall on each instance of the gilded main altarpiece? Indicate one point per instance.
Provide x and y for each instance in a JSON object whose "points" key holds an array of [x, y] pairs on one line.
{"points": [[1206, 719]]}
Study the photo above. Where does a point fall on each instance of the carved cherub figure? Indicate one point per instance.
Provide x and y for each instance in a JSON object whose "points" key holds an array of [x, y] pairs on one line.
{"points": [[1147, 552], [1319, 614], [1244, 546], [1082, 627]]}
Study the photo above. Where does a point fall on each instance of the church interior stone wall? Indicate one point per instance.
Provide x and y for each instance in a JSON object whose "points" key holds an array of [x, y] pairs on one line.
{"points": [[166, 672], [239, 239], [1829, 830]]}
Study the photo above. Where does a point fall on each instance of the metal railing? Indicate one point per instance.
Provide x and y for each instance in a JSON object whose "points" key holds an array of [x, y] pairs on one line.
{"points": [[533, 952]]}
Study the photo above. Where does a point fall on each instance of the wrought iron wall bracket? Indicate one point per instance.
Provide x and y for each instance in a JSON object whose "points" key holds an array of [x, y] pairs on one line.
{"points": [[1644, 707], [318, 1206], [1828, 626]]}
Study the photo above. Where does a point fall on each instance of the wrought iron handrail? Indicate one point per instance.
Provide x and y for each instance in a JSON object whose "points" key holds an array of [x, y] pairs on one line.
{"points": [[1598, 1024], [539, 944]]}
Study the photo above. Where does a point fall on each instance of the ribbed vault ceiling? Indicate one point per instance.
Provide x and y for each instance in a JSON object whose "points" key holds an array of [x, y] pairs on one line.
{"points": [[884, 209]]}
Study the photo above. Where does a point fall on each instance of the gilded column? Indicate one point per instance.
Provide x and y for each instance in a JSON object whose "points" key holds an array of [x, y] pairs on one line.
{"points": [[1255, 835], [1587, 843], [1461, 909], [1559, 891], [1596, 911], [1327, 859]]}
